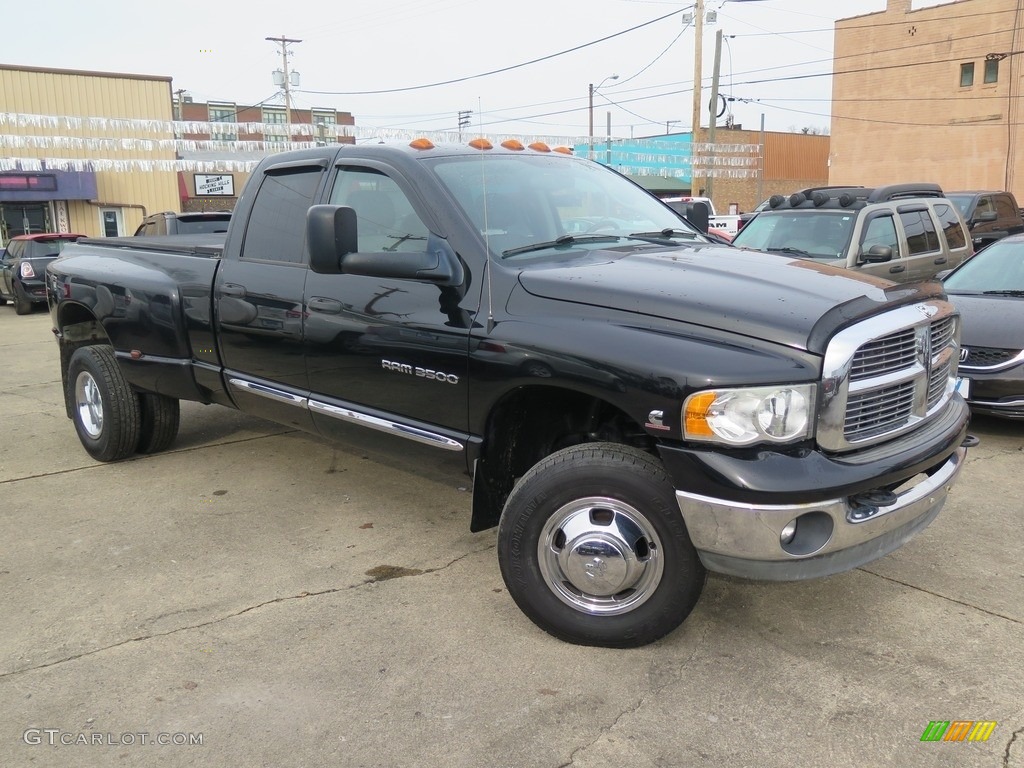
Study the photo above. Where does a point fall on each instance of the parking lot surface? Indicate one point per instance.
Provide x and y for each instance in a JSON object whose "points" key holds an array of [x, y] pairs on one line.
{"points": [[258, 597]]}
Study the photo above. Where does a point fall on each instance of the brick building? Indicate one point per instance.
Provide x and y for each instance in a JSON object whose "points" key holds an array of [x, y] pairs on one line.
{"points": [[237, 136], [929, 95]]}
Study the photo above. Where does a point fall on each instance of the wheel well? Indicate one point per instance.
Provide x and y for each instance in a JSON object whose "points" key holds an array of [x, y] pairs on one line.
{"points": [[77, 327], [534, 422]]}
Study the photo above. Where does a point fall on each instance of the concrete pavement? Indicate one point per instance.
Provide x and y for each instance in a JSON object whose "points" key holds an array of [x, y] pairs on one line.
{"points": [[289, 602]]}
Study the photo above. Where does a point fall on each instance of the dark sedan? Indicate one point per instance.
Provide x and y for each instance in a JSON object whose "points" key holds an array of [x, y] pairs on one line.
{"points": [[23, 267], [988, 289]]}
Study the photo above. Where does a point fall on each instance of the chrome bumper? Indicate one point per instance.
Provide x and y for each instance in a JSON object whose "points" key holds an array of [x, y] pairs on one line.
{"points": [[745, 539]]}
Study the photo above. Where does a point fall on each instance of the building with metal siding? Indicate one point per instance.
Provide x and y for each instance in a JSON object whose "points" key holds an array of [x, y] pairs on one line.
{"points": [[88, 152], [739, 169], [917, 96]]}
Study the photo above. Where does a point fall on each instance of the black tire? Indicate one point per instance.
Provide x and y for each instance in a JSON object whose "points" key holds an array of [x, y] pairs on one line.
{"points": [[104, 408], [160, 418], [604, 516], [22, 304]]}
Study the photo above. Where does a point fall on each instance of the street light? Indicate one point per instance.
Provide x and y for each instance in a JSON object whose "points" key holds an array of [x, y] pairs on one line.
{"points": [[590, 143]]}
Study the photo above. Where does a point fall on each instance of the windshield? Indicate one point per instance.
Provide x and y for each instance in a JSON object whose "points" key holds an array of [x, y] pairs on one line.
{"points": [[519, 201], [999, 267], [962, 202], [809, 233]]}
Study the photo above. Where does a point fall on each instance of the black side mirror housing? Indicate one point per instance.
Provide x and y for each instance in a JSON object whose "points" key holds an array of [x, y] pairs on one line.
{"points": [[331, 234], [877, 254]]}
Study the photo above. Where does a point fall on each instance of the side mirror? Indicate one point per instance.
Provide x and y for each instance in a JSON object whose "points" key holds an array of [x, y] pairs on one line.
{"points": [[330, 234], [877, 254], [984, 218]]}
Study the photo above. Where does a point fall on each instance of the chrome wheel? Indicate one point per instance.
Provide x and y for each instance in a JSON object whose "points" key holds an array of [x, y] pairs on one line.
{"points": [[600, 556], [89, 404]]}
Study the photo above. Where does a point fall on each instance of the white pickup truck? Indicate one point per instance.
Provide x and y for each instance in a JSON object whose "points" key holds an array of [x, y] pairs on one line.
{"points": [[727, 223]]}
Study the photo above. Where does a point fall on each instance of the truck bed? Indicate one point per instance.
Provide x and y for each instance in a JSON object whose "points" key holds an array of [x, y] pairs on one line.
{"points": [[207, 244]]}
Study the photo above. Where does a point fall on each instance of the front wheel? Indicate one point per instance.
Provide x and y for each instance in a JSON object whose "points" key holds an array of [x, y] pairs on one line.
{"points": [[104, 407], [593, 548]]}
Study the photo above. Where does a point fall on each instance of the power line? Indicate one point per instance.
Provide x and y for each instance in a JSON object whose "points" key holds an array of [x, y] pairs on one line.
{"points": [[496, 71]]}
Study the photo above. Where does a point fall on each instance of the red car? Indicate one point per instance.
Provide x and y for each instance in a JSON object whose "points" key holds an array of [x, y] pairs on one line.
{"points": [[23, 267]]}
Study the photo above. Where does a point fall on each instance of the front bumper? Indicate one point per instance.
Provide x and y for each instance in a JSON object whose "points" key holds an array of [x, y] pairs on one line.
{"points": [[996, 392], [850, 508], [840, 534], [34, 290]]}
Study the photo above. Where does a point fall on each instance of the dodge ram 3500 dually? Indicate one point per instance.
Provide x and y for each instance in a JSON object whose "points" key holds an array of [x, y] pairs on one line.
{"points": [[634, 404]]}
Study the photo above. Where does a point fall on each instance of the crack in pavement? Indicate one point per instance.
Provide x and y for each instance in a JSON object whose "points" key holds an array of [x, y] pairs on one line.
{"points": [[605, 729], [150, 457], [994, 614], [1009, 745], [242, 612]]}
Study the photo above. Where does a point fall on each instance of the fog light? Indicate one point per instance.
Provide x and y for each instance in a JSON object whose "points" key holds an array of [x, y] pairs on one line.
{"points": [[807, 534], [788, 532]]}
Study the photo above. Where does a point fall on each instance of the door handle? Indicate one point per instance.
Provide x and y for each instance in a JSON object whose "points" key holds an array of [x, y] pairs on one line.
{"points": [[232, 289], [327, 306], [940, 260], [898, 268]]}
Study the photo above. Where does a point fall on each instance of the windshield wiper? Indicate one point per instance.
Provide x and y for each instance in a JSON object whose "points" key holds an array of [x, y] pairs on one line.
{"points": [[665, 234], [795, 251], [1003, 293], [559, 242]]}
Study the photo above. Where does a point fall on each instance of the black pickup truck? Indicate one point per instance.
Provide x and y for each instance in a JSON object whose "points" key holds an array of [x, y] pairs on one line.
{"points": [[634, 404]]}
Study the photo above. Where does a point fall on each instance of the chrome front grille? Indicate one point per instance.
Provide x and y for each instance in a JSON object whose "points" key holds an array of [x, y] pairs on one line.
{"points": [[884, 376]]}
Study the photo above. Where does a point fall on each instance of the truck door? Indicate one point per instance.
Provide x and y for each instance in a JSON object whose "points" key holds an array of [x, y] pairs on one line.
{"points": [[258, 299], [388, 353], [924, 250], [880, 229]]}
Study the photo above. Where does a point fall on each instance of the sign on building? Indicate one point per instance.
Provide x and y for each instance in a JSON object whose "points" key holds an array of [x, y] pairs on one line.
{"points": [[209, 185]]}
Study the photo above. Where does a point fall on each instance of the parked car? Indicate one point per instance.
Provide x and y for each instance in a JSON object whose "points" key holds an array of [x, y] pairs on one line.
{"points": [[901, 232], [171, 223], [23, 267], [989, 292], [989, 216]]}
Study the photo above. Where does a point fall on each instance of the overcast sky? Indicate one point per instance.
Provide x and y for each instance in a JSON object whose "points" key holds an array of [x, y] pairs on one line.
{"points": [[414, 64]]}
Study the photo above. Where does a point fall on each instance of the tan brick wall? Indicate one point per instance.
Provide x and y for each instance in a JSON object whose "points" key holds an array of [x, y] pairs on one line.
{"points": [[899, 113]]}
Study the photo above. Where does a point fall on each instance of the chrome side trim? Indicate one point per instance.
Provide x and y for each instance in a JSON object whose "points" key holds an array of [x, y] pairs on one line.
{"points": [[385, 425], [998, 403], [994, 368], [268, 392]]}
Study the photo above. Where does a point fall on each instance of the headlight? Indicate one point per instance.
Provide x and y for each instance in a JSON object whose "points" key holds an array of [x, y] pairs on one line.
{"points": [[747, 416]]}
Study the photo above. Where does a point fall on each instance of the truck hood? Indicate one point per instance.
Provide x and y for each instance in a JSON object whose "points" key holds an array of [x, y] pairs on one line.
{"points": [[753, 294]]}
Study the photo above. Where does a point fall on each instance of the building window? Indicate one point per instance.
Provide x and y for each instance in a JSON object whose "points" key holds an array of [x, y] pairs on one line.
{"points": [[110, 220], [274, 117], [967, 74], [992, 71], [326, 131], [220, 115]]}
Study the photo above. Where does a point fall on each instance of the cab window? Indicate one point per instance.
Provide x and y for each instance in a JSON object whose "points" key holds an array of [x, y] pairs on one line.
{"points": [[881, 230], [951, 226], [920, 232], [385, 219]]}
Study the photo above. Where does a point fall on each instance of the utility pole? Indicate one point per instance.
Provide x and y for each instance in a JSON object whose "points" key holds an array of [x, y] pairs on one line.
{"points": [[698, 56], [284, 42], [179, 94], [714, 113], [463, 120]]}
